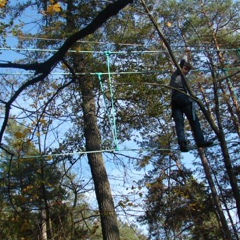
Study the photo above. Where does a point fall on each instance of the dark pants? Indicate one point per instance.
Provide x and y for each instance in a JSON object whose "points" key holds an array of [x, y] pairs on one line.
{"points": [[182, 104]]}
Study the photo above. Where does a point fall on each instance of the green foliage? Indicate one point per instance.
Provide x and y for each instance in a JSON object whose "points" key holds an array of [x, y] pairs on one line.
{"points": [[141, 101], [27, 183], [178, 205]]}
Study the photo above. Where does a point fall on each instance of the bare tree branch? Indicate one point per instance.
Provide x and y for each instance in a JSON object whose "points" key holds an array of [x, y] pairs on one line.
{"points": [[43, 69], [46, 67]]}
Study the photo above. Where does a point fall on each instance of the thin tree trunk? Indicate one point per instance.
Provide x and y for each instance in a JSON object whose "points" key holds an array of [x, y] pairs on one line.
{"points": [[217, 129], [221, 137], [225, 153], [108, 215], [43, 225], [225, 229], [220, 134], [45, 211]]}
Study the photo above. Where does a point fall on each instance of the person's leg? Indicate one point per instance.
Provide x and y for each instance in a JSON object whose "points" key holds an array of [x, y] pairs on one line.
{"points": [[179, 125], [195, 126], [194, 123]]}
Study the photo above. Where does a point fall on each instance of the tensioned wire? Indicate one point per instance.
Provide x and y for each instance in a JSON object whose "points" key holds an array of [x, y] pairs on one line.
{"points": [[112, 112], [116, 73], [103, 43], [114, 150], [92, 73], [114, 52]]}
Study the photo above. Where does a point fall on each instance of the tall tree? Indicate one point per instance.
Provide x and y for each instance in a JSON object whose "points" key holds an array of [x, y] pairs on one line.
{"points": [[91, 131], [143, 105], [186, 22], [29, 186]]}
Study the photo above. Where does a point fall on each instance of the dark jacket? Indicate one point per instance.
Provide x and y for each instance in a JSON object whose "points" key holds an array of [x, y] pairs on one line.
{"points": [[177, 80], [179, 99]]}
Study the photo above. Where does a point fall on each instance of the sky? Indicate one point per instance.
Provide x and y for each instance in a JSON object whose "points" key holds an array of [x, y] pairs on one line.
{"points": [[121, 180], [31, 16]]}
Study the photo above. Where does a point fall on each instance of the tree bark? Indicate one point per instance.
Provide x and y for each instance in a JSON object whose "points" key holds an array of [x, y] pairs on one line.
{"points": [[216, 200], [43, 69], [217, 129], [43, 225], [108, 215]]}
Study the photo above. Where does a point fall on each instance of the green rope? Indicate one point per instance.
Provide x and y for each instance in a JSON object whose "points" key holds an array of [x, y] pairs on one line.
{"points": [[109, 104], [112, 112]]}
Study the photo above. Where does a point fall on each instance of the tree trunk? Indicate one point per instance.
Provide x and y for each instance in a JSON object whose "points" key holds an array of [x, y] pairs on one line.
{"points": [[46, 226], [217, 129], [43, 225], [216, 200], [108, 215]]}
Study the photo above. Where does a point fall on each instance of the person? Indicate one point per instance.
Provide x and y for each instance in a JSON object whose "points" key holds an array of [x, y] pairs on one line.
{"points": [[182, 104]]}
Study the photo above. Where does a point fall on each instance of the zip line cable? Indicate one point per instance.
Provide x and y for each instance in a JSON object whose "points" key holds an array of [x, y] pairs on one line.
{"points": [[116, 73], [108, 103], [114, 150], [103, 52], [91, 73], [100, 43], [79, 41]]}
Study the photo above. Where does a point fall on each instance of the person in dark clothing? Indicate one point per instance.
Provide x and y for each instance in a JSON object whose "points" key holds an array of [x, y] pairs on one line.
{"points": [[183, 104]]}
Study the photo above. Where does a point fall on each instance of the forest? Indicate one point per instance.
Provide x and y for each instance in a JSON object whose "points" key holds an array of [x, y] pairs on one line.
{"points": [[87, 139]]}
